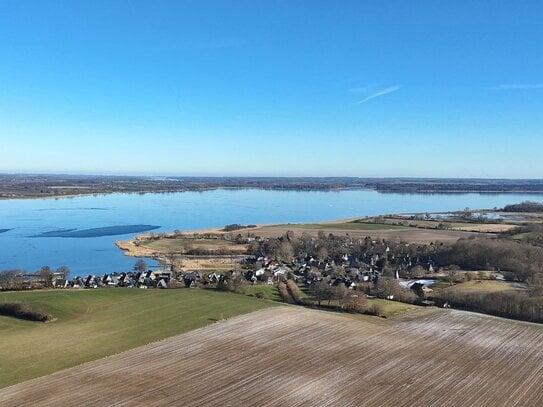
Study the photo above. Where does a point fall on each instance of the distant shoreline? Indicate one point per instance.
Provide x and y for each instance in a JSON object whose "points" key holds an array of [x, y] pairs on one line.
{"points": [[18, 186], [103, 193], [68, 196]]}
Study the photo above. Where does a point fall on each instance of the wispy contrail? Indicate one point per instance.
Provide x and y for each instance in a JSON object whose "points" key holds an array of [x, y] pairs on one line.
{"points": [[381, 92], [515, 86]]}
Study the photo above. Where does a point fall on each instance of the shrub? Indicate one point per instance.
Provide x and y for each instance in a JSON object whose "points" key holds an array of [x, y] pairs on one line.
{"points": [[22, 311], [355, 302], [237, 226], [294, 291], [283, 292], [408, 296], [377, 310]]}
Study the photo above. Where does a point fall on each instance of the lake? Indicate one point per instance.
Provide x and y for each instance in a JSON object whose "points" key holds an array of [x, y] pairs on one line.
{"points": [[80, 232]]}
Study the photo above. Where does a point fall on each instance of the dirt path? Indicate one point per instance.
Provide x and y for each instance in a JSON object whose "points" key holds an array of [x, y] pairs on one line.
{"points": [[291, 356]]}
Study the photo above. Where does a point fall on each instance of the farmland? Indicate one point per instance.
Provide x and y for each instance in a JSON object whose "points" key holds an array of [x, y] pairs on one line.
{"points": [[289, 356], [146, 245], [91, 324], [363, 229], [184, 244]]}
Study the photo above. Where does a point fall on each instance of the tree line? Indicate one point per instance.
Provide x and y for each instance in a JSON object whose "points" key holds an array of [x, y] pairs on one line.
{"points": [[525, 206], [15, 279]]}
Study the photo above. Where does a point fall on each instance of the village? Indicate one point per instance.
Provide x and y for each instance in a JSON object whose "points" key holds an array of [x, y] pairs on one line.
{"points": [[264, 271], [338, 265]]}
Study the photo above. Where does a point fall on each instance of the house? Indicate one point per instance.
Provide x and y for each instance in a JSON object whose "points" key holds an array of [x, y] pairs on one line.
{"points": [[78, 282], [60, 283], [125, 280], [282, 271], [250, 276], [90, 282], [146, 278], [260, 272], [420, 289], [190, 280], [214, 278]]}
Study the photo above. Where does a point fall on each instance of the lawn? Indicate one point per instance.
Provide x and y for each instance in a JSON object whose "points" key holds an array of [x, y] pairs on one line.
{"points": [[392, 308], [268, 291], [387, 308], [484, 286], [92, 324]]}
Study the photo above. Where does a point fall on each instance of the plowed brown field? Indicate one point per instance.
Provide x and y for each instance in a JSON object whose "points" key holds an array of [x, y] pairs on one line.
{"points": [[289, 356]]}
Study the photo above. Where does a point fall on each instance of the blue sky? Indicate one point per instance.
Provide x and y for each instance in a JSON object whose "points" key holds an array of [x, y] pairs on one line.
{"points": [[294, 88]]}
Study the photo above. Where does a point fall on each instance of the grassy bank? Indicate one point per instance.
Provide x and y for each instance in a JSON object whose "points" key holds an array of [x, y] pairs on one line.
{"points": [[95, 323]]}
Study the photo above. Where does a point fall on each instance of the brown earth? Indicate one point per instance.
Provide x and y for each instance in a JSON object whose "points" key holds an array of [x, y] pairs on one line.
{"points": [[487, 228], [290, 356], [412, 235], [187, 262], [452, 225]]}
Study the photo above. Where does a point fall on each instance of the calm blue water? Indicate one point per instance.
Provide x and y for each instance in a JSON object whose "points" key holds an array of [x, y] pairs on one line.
{"points": [[187, 211]]}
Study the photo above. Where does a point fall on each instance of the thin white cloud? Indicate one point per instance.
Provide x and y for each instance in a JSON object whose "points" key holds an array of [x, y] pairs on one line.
{"points": [[517, 86], [381, 92]]}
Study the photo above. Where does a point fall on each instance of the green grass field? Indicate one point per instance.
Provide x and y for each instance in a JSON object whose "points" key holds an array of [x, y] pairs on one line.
{"points": [[388, 308], [528, 236], [92, 324], [270, 292], [484, 286], [392, 308]]}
